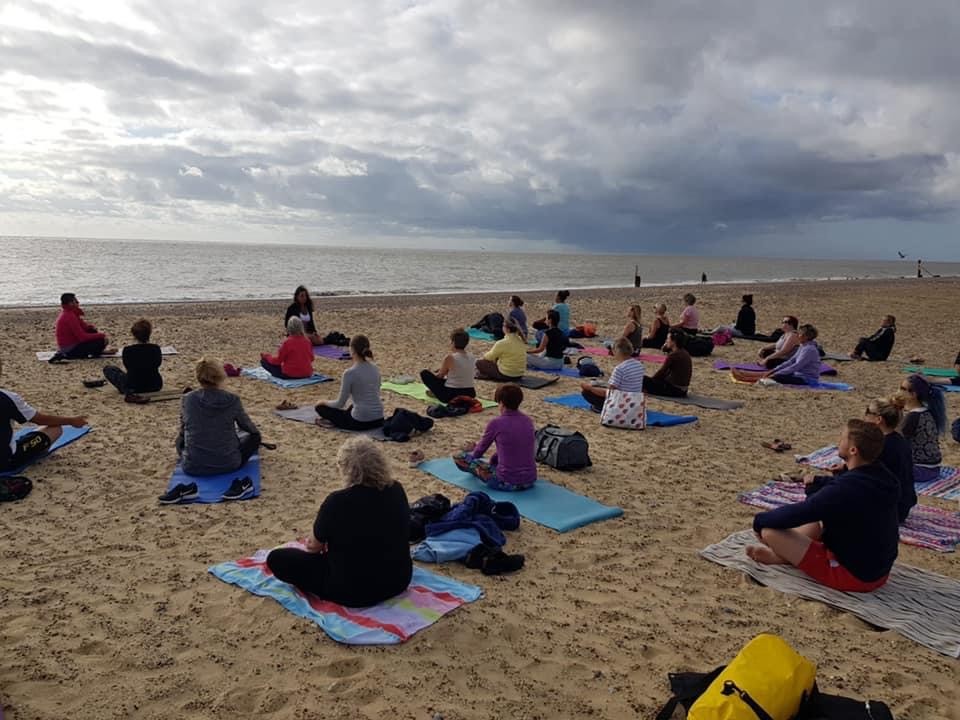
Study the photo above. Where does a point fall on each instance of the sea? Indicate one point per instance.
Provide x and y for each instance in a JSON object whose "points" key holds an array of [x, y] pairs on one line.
{"points": [[34, 271]]}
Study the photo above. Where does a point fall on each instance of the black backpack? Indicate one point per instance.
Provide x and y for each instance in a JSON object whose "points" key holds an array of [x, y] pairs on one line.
{"points": [[699, 345], [493, 324], [562, 449]]}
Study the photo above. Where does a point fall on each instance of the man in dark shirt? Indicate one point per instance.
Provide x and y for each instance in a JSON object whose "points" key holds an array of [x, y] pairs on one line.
{"points": [[845, 534], [878, 345], [142, 362], [673, 377]]}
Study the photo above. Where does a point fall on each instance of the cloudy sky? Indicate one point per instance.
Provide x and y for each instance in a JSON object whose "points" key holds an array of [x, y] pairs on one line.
{"points": [[673, 126]]}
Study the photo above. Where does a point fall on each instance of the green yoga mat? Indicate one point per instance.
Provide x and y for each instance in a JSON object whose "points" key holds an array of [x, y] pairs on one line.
{"points": [[419, 391], [932, 372]]}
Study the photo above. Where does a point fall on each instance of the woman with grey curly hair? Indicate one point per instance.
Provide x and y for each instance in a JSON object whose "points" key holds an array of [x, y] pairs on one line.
{"points": [[358, 554]]}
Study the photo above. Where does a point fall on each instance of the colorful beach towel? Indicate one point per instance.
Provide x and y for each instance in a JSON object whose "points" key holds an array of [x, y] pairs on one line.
{"points": [[724, 365], [428, 598], [839, 386], [331, 352], [545, 503], [47, 354], [918, 604], [258, 373], [307, 414], [945, 487], [68, 435], [932, 372], [212, 487], [657, 419], [419, 391], [925, 526]]}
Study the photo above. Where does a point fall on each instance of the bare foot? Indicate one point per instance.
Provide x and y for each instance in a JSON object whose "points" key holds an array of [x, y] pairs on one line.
{"points": [[764, 555], [110, 351], [323, 422]]}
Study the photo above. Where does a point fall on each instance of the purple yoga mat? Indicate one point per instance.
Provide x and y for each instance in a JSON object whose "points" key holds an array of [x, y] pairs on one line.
{"points": [[723, 365], [332, 352]]}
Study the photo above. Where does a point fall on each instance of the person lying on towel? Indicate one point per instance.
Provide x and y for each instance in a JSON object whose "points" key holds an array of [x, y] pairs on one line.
{"points": [[878, 345], [845, 534], [358, 554], [76, 338], [514, 465], [360, 385], [454, 377], [803, 368], [209, 442], [673, 377], [141, 362], [627, 375], [15, 453], [294, 359]]}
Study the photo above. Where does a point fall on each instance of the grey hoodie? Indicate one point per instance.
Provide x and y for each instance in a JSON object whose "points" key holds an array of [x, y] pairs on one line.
{"points": [[208, 443]]}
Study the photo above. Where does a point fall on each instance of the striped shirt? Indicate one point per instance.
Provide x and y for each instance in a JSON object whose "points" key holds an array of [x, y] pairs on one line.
{"points": [[628, 376]]}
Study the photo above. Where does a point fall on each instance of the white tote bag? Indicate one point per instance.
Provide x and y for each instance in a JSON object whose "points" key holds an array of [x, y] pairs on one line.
{"points": [[624, 410]]}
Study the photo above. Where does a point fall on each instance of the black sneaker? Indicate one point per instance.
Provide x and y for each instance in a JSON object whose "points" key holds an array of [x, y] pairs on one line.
{"points": [[58, 357], [239, 489], [181, 493]]}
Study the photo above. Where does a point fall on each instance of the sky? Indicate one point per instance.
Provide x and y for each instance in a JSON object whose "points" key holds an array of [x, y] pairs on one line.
{"points": [[719, 127]]}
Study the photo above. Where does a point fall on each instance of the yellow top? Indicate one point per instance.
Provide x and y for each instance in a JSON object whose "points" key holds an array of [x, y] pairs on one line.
{"points": [[510, 355]]}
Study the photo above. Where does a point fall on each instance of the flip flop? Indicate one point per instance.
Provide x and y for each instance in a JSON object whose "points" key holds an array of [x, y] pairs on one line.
{"points": [[287, 405], [268, 445], [777, 445], [94, 383]]}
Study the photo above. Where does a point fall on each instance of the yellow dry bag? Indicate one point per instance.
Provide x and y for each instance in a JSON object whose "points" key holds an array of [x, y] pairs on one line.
{"points": [[767, 680]]}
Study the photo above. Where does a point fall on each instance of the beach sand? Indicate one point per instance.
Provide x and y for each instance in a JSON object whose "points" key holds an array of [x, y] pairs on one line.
{"points": [[107, 609]]}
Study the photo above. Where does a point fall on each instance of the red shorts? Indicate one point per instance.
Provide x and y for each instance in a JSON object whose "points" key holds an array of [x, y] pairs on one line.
{"points": [[821, 564]]}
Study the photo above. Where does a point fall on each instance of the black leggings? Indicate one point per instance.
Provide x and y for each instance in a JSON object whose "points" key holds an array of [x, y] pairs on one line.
{"points": [[771, 363], [661, 387], [595, 400], [344, 420], [90, 348], [273, 370], [121, 381], [249, 444], [308, 571], [439, 389]]}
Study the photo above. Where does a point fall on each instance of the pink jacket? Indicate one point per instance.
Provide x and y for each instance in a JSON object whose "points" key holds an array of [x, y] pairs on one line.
{"points": [[73, 330], [295, 357]]}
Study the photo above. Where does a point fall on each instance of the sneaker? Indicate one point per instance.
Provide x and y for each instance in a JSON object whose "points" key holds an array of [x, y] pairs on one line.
{"points": [[181, 493], [58, 357], [239, 489]]}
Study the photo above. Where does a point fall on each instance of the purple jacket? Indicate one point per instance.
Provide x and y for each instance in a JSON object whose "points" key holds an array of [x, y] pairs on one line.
{"points": [[513, 432]]}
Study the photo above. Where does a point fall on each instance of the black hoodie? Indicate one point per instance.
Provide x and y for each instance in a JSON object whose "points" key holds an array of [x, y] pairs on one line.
{"points": [[858, 509]]}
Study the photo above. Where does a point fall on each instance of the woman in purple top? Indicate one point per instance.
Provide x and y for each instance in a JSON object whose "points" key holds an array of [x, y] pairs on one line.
{"points": [[803, 367], [513, 466]]}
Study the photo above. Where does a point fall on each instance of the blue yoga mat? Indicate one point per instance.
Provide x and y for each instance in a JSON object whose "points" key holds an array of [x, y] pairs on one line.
{"points": [[949, 388], [70, 434], [659, 419], [565, 371], [261, 374], [545, 503], [212, 487]]}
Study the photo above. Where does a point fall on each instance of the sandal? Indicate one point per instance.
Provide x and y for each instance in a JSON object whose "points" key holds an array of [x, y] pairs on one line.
{"points": [[94, 383], [136, 399], [286, 405], [416, 457], [777, 445]]}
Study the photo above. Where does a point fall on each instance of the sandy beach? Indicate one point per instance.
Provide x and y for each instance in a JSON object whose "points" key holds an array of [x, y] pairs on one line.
{"points": [[107, 609]]}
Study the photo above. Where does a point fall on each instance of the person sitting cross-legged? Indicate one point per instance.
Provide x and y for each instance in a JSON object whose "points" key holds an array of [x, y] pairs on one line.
{"points": [[627, 376], [294, 359], [361, 385], [513, 466], [506, 361], [673, 377], [455, 375], [845, 534], [76, 338], [803, 368], [358, 553], [548, 355], [141, 363]]}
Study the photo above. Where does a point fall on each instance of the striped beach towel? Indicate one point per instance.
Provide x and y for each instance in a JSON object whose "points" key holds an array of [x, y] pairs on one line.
{"points": [[918, 604], [926, 527], [428, 598], [946, 487]]}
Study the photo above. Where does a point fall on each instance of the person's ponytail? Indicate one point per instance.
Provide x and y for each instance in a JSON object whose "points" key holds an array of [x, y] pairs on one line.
{"points": [[360, 346]]}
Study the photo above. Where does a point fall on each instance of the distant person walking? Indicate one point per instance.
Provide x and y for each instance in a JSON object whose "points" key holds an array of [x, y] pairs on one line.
{"points": [[919, 268], [703, 278]]}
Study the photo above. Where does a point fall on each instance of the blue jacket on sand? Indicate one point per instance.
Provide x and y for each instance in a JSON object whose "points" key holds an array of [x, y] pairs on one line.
{"points": [[858, 510]]}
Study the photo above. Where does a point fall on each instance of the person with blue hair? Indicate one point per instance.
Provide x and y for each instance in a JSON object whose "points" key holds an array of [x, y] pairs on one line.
{"points": [[924, 421]]}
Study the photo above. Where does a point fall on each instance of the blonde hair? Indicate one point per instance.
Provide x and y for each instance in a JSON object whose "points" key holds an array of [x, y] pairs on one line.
{"points": [[635, 313], [660, 308], [361, 462], [210, 372], [623, 346], [294, 326], [887, 410]]}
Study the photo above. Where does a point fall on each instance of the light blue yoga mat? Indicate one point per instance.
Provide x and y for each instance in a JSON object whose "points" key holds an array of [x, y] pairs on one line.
{"points": [[212, 487], [261, 374], [478, 334], [545, 503], [69, 434], [658, 419]]}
